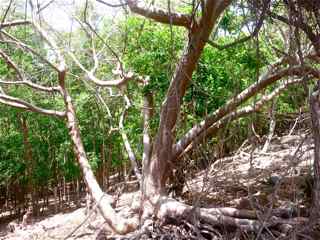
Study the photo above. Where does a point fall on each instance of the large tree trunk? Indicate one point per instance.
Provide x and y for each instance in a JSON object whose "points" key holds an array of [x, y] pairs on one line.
{"points": [[158, 168], [315, 118]]}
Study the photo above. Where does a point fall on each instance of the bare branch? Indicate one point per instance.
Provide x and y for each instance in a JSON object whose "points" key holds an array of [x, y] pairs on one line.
{"points": [[99, 97], [62, 65], [95, 57], [252, 35], [18, 103], [272, 125], [45, 6], [32, 85], [112, 4], [22, 45], [308, 30], [6, 12], [159, 15], [14, 23], [20, 75], [11, 64], [124, 78], [92, 29]]}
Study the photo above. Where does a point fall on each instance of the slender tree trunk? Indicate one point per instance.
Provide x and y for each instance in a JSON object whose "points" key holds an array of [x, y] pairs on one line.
{"points": [[68, 193], [127, 145], [60, 194], [29, 160], [315, 118], [56, 199], [108, 166], [64, 197], [80, 153], [272, 125], [102, 167], [103, 200], [147, 143]]}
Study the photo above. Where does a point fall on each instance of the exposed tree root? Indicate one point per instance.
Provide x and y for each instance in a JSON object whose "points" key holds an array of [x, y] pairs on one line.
{"points": [[245, 220], [176, 220]]}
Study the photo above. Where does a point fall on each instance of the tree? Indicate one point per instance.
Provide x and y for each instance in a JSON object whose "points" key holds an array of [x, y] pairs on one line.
{"points": [[161, 154]]}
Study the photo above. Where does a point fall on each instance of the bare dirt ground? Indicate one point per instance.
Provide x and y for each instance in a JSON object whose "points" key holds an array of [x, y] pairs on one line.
{"points": [[73, 225], [253, 174], [250, 179]]}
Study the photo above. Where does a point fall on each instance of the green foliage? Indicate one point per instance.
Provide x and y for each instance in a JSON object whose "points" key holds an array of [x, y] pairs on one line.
{"points": [[149, 49], [230, 21], [152, 50]]}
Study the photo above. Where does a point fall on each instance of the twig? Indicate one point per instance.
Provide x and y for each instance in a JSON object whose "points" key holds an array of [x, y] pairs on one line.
{"points": [[295, 123]]}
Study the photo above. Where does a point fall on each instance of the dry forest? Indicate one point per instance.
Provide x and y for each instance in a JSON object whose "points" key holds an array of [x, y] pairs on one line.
{"points": [[167, 119]]}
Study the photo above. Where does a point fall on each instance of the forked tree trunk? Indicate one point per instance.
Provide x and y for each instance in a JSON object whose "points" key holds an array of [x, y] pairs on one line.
{"points": [[158, 168], [315, 118]]}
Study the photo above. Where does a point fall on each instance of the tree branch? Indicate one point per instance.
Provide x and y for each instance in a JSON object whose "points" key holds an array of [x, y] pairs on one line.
{"points": [[242, 112], [303, 26], [158, 168], [160, 15], [112, 4], [308, 30], [11, 64], [244, 39], [18, 103], [22, 45], [14, 23], [264, 81], [62, 65], [32, 85], [111, 83], [20, 75]]}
